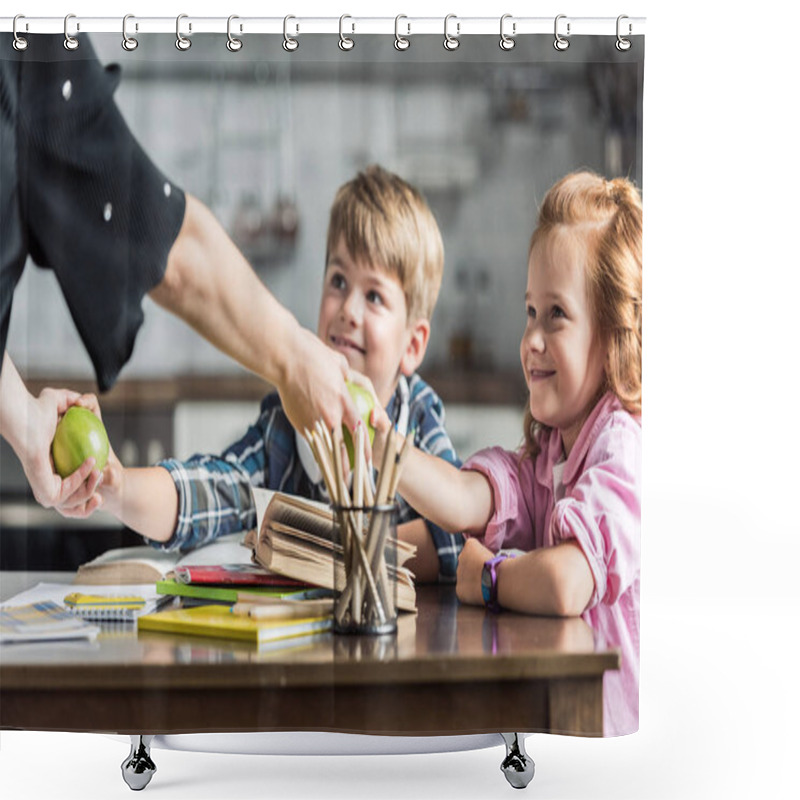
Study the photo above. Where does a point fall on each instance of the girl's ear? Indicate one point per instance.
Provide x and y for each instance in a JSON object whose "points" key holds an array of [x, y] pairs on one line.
{"points": [[419, 334]]}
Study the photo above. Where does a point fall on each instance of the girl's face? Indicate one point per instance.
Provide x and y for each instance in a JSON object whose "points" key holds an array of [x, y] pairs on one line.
{"points": [[562, 356]]}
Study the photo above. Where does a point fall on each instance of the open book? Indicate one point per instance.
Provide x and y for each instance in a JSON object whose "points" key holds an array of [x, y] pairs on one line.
{"points": [[295, 538], [144, 564]]}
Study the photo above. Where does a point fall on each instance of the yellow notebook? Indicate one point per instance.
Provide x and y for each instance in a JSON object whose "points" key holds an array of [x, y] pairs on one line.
{"points": [[221, 622]]}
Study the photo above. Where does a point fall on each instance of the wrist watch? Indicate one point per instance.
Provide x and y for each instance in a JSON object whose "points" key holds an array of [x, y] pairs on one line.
{"points": [[489, 581]]}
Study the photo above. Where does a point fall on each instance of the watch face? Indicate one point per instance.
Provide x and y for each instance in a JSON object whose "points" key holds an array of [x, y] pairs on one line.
{"points": [[486, 578], [486, 584]]}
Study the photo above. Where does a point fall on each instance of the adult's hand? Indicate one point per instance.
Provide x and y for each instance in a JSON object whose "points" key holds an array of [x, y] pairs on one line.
{"points": [[49, 489], [313, 384]]}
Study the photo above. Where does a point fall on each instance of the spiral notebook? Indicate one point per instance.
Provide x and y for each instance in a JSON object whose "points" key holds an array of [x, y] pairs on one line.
{"points": [[107, 607], [91, 602]]}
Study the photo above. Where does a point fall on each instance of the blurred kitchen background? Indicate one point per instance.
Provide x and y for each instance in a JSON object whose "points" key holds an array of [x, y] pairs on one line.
{"points": [[265, 138]]}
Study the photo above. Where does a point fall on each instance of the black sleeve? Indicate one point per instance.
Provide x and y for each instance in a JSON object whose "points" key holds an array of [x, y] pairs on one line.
{"points": [[96, 209]]}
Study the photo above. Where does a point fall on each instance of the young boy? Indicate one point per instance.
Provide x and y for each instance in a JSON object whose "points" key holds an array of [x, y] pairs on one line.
{"points": [[383, 271]]}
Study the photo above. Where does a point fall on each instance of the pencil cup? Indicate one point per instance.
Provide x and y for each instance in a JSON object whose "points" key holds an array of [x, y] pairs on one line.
{"points": [[365, 569]]}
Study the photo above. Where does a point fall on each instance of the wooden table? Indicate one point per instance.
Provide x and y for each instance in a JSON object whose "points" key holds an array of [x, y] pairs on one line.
{"points": [[451, 669]]}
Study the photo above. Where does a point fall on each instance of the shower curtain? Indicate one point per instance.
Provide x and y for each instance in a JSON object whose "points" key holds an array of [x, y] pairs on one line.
{"points": [[264, 132]]}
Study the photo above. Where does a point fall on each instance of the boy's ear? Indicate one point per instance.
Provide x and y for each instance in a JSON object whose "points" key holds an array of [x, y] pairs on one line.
{"points": [[419, 334]]}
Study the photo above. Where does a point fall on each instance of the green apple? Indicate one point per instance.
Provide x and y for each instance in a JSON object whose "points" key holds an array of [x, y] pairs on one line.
{"points": [[364, 405], [79, 434]]}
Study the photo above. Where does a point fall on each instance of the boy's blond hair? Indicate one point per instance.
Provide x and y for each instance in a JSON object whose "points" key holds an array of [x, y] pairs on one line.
{"points": [[386, 222]]}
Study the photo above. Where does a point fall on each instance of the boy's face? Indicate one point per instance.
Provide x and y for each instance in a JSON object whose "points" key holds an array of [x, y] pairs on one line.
{"points": [[363, 315]]}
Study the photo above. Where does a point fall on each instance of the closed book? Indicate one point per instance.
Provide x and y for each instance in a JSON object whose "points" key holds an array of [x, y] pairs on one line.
{"points": [[219, 621], [235, 594], [239, 574]]}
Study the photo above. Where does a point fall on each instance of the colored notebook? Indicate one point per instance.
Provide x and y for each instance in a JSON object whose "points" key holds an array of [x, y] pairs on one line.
{"points": [[219, 621], [236, 594], [105, 607]]}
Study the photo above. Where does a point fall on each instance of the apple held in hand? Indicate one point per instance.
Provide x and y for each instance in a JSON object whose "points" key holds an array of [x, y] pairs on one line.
{"points": [[79, 434], [364, 404]]}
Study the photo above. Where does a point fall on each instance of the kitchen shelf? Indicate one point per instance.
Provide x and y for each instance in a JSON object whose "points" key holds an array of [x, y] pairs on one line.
{"points": [[479, 387]]}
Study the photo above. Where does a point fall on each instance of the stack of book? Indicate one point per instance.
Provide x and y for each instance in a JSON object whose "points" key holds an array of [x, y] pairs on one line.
{"points": [[234, 583], [265, 586]]}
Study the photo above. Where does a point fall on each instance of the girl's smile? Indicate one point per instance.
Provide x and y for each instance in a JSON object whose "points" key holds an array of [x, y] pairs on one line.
{"points": [[540, 374], [562, 357]]}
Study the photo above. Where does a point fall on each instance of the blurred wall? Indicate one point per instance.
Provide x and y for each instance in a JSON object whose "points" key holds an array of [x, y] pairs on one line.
{"points": [[483, 140]]}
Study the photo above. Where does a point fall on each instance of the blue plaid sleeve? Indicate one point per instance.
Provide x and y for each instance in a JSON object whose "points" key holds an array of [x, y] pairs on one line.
{"points": [[215, 492], [426, 417]]}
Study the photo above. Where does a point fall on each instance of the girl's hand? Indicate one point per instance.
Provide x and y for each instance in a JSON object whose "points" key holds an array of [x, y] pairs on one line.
{"points": [[470, 570]]}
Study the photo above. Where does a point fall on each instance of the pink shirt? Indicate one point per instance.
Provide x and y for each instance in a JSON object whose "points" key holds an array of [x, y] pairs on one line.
{"points": [[595, 499]]}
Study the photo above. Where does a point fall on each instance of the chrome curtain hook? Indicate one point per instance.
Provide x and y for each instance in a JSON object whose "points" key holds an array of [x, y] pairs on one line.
{"points": [[560, 42], [290, 43], [623, 44], [20, 42], [401, 42], [507, 42], [345, 43], [70, 42], [451, 42], [129, 43], [233, 44], [181, 42]]}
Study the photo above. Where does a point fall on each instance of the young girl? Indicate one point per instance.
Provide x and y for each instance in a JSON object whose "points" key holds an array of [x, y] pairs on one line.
{"points": [[570, 498]]}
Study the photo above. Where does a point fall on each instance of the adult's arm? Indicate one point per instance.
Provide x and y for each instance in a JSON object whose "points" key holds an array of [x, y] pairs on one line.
{"points": [[211, 286]]}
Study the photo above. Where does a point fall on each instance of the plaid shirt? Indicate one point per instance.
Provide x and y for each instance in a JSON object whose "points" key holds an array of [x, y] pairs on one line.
{"points": [[214, 492]]}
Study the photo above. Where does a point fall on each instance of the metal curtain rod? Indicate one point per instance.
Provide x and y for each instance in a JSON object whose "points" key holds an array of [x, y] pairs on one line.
{"points": [[407, 26]]}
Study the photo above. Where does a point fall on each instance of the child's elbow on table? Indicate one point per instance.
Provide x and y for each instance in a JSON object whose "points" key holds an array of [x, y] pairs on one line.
{"points": [[556, 581], [571, 580]]}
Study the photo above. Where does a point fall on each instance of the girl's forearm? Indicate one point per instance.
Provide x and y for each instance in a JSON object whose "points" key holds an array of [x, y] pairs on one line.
{"points": [[459, 502], [551, 580], [148, 503]]}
